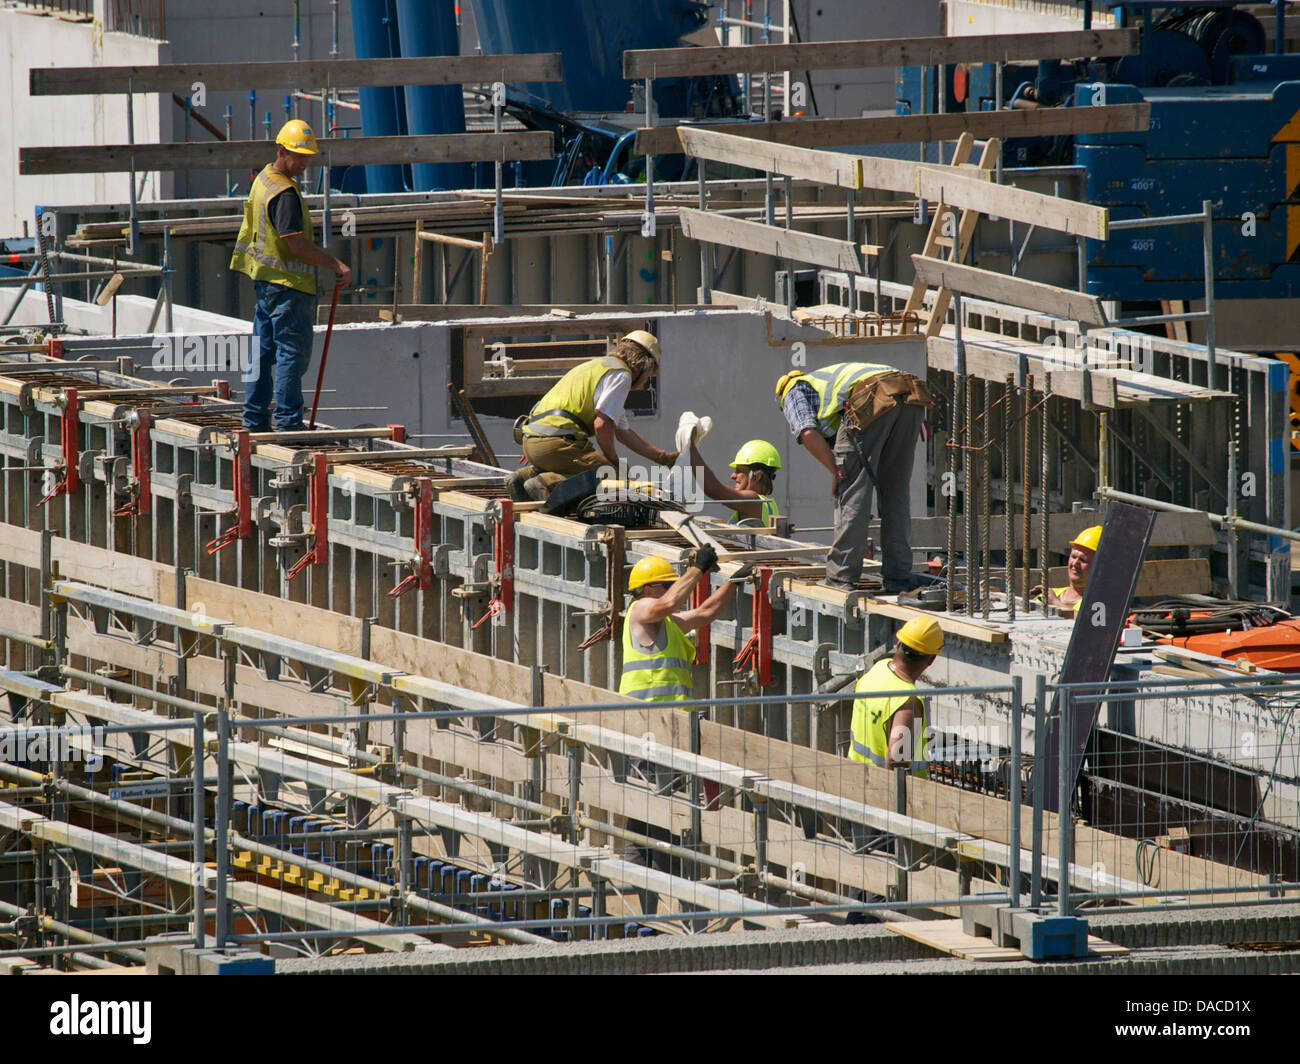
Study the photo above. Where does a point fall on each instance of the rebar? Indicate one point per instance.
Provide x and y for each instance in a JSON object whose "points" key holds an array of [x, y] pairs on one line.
{"points": [[972, 528], [986, 546], [1045, 501]]}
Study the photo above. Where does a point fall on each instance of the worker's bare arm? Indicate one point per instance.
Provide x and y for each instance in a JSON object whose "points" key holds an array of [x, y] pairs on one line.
{"points": [[901, 740], [706, 613], [651, 611]]}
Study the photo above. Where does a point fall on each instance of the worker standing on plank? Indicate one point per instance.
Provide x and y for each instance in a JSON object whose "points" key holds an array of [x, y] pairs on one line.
{"points": [[587, 402], [861, 421], [755, 465], [1083, 549], [276, 248], [889, 730], [657, 650]]}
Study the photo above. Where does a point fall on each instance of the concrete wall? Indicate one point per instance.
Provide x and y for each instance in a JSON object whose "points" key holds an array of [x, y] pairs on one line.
{"points": [[31, 40]]}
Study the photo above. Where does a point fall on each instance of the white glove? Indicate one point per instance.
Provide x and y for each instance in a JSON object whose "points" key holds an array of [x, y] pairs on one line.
{"points": [[690, 429]]}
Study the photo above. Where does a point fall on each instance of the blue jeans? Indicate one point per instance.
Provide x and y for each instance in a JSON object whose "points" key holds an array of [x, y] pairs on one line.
{"points": [[282, 327]]}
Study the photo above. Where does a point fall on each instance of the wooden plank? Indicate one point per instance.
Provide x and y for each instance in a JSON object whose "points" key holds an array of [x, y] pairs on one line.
{"points": [[824, 167], [947, 936], [945, 185], [1157, 579], [771, 240], [993, 364], [1172, 530], [912, 129], [887, 52], [312, 73], [241, 154], [1002, 288]]}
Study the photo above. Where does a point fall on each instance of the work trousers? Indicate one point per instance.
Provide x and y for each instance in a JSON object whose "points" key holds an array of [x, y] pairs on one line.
{"points": [[556, 458], [889, 444], [282, 327]]}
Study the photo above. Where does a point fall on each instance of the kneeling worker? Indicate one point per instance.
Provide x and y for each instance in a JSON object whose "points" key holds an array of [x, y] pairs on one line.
{"points": [[1083, 548], [889, 730], [755, 465], [587, 401], [657, 655]]}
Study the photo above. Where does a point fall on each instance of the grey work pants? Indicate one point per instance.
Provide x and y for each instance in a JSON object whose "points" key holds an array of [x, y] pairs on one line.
{"points": [[890, 446]]}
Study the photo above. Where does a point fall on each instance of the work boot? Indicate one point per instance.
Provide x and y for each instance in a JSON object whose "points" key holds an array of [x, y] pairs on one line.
{"points": [[535, 489]]}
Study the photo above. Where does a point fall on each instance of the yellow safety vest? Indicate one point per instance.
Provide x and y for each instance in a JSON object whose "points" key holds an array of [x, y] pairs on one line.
{"points": [[768, 512], [661, 675], [1073, 607], [569, 409], [259, 250], [833, 384], [871, 717]]}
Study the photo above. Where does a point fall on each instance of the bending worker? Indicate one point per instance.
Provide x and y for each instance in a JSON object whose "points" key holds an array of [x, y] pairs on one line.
{"points": [[587, 402], [879, 458], [657, 653], [889, 731], [1083, 548], [753, 481], [276, 248]]}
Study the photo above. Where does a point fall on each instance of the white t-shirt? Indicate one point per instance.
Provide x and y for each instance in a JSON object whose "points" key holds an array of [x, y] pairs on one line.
{"points": [[612, 391]]}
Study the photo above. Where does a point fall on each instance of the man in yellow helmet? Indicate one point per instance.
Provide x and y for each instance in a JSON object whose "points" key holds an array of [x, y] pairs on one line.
{"points": [[753, 481], [889, 729], [587, 403], [276, 248], [1083, 548], [657, 655], [877, 459]]}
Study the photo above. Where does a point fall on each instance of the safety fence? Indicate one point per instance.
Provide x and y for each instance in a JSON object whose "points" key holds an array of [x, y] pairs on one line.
{"points": [[343, 804]]}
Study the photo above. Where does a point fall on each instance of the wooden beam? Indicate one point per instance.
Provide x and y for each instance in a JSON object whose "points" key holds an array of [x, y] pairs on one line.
{"points": [[944, 184], [1016, 291], [1171, 530], [771, 240], [992, 364], [314, 73], [889, 52], [824, 167], [912, 129], [254, 154]]}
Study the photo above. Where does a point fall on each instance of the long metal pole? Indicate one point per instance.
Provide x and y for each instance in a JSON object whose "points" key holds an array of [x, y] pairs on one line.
{"points": [[1026, 478], [1207, 246], [1045, 498], [199, 803], [1040, 747], [970, 479], [1009, 491], [706, 281], [1015, 803], [986, 546], [1065, 781], [954, 454], [221, 823]]}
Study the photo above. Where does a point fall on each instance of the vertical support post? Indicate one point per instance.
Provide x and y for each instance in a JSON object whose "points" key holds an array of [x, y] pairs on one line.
{"points": [[598, 931], [1009, 491], [697, 793], [575, 789], [997, 105], [498, 206], [199, 855], [986, 504], [230, 117], [788, 188], [760, 835], [1026, 435], [649, 159], [221, 820], [1040, 752], [706, 281], [970, 476], [1234, 553], [1207, 243], [1046, 496], [167, 279], [849, 219], [325, 223], [1014, 803], [133, 224], [1081, 260], [902, 851], [404, 867], [1065, 784]]}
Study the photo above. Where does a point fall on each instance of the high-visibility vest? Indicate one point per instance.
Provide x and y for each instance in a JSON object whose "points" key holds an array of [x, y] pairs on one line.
{"points": [[1073, 607], [833, 384], [260, 252], [569, 409], [660, 675], [871, 717], [768, 512]]}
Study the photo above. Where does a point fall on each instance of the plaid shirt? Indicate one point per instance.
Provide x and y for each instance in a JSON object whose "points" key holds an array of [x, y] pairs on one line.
{"points": [[800, 409]]}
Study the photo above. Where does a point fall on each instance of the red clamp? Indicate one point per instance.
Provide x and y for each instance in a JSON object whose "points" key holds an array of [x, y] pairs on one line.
{"points": [[68, 479], [757, 650], [243, 511], [397, 433], [503, 560], [422, 577], [699, 593], [318, 497], [141, 469], [54, 346]]}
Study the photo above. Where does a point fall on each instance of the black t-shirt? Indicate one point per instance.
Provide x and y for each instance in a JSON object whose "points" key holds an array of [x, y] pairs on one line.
{"points": [[285, 213]]}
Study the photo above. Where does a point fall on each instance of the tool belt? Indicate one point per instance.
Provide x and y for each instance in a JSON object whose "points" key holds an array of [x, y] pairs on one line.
{"points": [[874, 397]]}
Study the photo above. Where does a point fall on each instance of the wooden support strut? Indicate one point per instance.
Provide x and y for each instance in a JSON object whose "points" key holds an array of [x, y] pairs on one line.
{"points": [[243, 491], [422, 575], [318, 497], [141, 502], [68, 479]]}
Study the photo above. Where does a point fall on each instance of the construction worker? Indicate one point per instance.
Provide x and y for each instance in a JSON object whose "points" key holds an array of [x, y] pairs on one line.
{"points": [[889, 730], [587, 401], [1083, 548], [276, 248], [657, 653], [750, 497], [879, 458]]}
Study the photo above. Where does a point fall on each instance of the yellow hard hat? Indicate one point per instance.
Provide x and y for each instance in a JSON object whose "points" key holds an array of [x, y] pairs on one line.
{"points": [[922, 634], [783, 385], [1088, 538], [757, 452], [651, 571], [296, 136], [647, 340]]}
